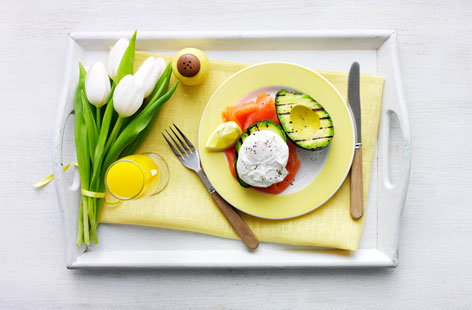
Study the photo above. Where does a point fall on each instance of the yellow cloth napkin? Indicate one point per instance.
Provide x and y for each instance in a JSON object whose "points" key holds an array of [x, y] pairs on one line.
{"points": [[186, 205]]}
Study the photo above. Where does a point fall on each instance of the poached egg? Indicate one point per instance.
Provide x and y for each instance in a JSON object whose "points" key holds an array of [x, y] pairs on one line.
{"points": [[262, 159]]}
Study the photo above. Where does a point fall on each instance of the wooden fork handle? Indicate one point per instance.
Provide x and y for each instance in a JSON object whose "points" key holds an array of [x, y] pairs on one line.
{"points": [[357, 191], [239, 226]]}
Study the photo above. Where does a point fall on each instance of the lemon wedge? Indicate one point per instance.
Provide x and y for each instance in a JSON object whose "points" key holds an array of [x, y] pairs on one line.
{"points": [[224, 136]]}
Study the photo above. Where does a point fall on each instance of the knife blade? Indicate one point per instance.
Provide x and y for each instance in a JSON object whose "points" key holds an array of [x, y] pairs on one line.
{"points": [[354, 99]]}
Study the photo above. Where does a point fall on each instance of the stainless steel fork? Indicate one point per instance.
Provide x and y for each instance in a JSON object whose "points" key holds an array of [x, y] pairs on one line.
{"points": [[189, 157]]}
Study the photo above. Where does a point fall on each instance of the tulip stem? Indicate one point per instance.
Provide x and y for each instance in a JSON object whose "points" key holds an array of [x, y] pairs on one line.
{"points": [[80, 224], [85, 212], [114, 133], [99, 118]]}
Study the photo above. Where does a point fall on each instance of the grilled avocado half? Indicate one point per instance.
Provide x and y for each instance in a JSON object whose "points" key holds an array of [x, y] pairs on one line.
{"points": [[304, 120]]}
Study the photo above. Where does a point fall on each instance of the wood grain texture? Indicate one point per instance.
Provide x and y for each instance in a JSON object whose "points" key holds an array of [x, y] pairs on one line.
{"points": [[357, 188], [435, 46], [239, 226]]}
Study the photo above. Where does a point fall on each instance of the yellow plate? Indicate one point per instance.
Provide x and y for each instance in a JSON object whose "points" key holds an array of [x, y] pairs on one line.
{"points": [[339, 156]]}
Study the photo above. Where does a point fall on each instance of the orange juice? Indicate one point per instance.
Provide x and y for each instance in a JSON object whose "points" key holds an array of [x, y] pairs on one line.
{"points": [[135, 176]]}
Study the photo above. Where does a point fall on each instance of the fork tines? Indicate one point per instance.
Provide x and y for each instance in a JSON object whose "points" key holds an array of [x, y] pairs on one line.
{"points": [[180, 148]]}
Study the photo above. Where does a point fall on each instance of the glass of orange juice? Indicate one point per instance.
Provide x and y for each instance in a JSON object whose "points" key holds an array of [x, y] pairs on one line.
{"points": [[137, 176]]}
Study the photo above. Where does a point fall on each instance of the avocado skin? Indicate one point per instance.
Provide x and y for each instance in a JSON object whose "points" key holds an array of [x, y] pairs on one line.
{"points": [[262, 125], [285, 101], [241, 182]]}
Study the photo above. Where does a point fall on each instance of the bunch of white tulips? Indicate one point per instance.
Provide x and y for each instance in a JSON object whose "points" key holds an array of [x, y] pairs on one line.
{"points": [[101, 139], [131, 89]]}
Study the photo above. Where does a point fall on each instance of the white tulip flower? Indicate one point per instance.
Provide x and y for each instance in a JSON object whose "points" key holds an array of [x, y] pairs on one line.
{"points": [[97, 85], [149, 72], [128, 96], [116, 54]]}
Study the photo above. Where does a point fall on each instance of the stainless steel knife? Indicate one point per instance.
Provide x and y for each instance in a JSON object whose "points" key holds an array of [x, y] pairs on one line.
{"points": [[354, 99]]}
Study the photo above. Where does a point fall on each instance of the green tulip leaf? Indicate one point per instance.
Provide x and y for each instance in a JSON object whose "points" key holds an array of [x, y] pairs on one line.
{"points": [[135, 127], [127, 61], [81, 145], [166, 74], [92, 130], [134, 145]]}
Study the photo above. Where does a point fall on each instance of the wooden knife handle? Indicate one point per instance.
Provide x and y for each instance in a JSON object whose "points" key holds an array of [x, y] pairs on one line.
{"points": [[357, 191], [239, 226]]}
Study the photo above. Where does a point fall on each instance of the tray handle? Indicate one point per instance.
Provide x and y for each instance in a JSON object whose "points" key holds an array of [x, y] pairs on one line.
{"points": [[397, 186], [393, 194], [395, 107], [68, 194], [69, 117]]}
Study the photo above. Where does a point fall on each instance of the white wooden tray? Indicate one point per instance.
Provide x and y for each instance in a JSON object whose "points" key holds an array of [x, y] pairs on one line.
{"points": [[143, 247]]}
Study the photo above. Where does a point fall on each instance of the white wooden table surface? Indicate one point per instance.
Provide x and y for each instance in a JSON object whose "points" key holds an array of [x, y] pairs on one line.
{"points": [[435, 272]]}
